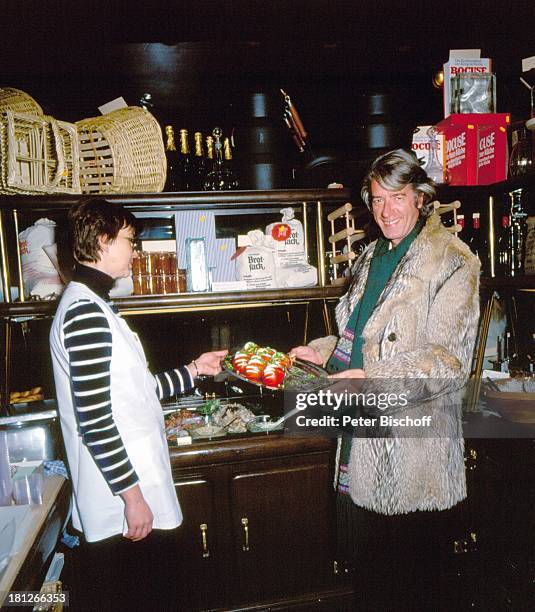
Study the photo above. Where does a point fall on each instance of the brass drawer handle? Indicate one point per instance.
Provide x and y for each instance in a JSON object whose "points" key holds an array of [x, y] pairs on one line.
{"points": [[205, 551], [245, 523]]}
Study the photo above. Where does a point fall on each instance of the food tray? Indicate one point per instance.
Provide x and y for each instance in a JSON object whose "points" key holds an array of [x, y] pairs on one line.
{"points": [[265, 424], [301, 376], [201, 433]]}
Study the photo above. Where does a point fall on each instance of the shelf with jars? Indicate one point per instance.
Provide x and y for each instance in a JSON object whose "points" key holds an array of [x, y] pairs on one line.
{"points": [[17, 212], [236, 209]]}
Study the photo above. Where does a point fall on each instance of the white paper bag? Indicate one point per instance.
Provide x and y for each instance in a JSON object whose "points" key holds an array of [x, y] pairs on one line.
{"points": [[40, 276]]}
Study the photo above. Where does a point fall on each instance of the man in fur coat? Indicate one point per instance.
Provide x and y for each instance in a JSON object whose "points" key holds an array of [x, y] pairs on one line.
{"points": [[411, 312]]}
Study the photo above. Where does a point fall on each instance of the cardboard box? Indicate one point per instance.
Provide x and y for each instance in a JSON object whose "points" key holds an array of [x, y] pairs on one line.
{"points": [[462, 61], [420, 146], [195, 224], [476, 147]]}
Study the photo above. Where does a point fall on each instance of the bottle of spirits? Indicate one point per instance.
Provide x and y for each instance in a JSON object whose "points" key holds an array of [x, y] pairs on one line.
{"points": [[517, 233], [219, 178], [184, 162], [478, 242], [227, 152], [460, 221], [172, 182], [502, 248], [198, 170]]}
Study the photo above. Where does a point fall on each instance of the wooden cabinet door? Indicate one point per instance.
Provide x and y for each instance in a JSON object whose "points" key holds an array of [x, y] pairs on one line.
{"points": [[198, 542], [282, 521]]}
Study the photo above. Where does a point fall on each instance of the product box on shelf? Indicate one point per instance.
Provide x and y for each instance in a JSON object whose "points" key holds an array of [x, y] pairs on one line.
{"points": [[476, 147], [421, 146], [462, 61]]}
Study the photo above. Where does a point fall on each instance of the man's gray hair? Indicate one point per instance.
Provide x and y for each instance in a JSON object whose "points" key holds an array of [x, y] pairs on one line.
{"points": [[394, 171]]}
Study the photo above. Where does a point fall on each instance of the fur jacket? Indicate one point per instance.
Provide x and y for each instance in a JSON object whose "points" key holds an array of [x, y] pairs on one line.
{"points": [[423, 326]]}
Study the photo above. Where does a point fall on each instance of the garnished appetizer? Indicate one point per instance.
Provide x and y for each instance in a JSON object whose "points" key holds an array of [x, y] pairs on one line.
{"points": [[261, 364]]}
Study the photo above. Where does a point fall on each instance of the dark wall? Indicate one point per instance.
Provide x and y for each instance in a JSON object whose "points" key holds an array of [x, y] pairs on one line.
{"points": [[202, 60]]}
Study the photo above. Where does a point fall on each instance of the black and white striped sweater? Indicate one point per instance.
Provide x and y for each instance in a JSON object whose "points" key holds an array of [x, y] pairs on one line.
{"points": [[89, 344]]}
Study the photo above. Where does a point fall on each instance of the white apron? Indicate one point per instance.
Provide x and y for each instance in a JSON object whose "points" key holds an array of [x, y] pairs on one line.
{"points": [[139, 419]]}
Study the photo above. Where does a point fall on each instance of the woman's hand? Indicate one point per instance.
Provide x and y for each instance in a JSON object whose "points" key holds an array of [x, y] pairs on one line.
{"points": [[137, 513], [207, 363], [354, 373], [307, 353]]}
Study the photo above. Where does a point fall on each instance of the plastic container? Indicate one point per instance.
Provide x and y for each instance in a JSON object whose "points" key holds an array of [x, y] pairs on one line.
{"points": [[6, 485]]}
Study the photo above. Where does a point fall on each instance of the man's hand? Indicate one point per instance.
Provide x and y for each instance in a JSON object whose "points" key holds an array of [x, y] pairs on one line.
{"points": [[307, 353], [355, 373], [137, 513], [208, 363]]}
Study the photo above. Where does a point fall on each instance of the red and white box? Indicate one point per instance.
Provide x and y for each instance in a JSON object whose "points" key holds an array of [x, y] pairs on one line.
{"points": [[476, 147]]}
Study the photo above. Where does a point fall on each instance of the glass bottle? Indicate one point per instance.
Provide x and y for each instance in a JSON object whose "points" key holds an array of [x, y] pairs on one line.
{"points": [[520, 160], [227, 152], [517, 233], [172, 182], [198, 170], [209, 152], [460, 222], [502, 248], [145, 101], [219, 178], [478, 242], [184, 161]]}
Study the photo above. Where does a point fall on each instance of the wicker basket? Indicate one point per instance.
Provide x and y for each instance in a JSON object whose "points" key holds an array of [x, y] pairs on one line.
{"points": [[18, 101], [38, 155], [121, 152], [69, 181]]}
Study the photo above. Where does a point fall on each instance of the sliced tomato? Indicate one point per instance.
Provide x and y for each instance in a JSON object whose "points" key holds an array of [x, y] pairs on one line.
{"points": [[282, 359], [254, 368], [253, 372], [273, 376], [239, 361], [266, 353]]}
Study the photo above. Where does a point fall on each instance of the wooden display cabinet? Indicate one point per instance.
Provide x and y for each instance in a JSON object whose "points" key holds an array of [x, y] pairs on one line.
{"points": [[258, 511], [259, 520], [259, 516], [17, 212]]}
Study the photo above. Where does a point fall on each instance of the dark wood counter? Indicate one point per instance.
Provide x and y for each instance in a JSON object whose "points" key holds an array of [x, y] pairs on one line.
{"points": [[247, 447], [259, 521]]}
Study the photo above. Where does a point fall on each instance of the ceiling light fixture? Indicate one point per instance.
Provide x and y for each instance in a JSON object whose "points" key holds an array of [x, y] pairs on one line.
{"points": [[438, 79]]}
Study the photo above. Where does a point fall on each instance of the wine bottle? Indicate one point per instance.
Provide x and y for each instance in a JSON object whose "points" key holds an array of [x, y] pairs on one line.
{"points": [[227, 152], [184, 161], [502, 248], [209, 152], [172, 182], [198, 170], [219, 178], [478, 242]]}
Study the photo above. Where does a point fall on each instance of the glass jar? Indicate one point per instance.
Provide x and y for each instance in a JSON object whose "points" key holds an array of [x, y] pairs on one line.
{"points": [[521, 160]]}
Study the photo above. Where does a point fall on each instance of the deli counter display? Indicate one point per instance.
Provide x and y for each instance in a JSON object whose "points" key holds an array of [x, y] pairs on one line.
{"points": [[251, 496]]}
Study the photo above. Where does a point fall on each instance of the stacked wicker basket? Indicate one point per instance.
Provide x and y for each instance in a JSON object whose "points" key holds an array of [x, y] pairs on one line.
{"points": [[120, 152]]}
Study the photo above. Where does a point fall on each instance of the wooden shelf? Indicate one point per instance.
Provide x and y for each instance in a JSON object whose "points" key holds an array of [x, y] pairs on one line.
{"points": [[518, 283], [189, 199], [160, 304], [447, 192]]}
